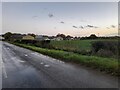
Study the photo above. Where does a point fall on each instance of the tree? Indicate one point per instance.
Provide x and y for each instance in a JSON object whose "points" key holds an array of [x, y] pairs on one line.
{"points": [[92, 36], [7, 35], [61, 35], [68, 37], [31, 34]]}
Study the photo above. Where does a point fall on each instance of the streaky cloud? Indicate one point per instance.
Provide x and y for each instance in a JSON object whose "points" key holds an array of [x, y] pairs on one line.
{"points": [[90, 26], [50, 15], [62, 22], [75, 26], [81, 27], [113, 26], [34, 16]]}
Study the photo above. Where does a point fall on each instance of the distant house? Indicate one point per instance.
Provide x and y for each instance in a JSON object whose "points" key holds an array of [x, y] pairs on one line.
{"points": [[15, 37], [69, 38], [41, 38], [58, 38], [28, 37], [46, 38], [51, 37], [1, 38]]}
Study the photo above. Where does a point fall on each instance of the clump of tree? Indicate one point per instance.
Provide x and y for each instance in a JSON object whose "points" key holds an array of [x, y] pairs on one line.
{"points": [[32, 34], [7, 36], [61, 35], [65, 37], [92, 36], [68, 37]]}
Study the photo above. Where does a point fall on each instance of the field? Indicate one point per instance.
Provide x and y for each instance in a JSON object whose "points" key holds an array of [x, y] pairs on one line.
{"points": [[73, 45], [77, 46]]}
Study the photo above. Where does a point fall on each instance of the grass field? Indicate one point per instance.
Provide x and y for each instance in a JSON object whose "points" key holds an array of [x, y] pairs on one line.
{"points": [[72, 45], [79, 46], [109, 65]]}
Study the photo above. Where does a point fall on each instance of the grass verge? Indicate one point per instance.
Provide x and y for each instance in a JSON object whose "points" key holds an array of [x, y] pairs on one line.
{"points": [[108, 65]]}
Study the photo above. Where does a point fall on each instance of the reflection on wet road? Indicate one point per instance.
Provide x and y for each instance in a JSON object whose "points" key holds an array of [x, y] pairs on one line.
{"points": [[23, 68]]}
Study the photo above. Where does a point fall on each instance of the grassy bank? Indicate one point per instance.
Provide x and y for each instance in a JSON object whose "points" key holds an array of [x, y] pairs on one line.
{"points": [[104, 64]]}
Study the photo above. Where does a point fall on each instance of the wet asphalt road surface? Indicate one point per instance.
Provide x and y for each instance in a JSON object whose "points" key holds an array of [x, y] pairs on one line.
{"points": [[23, 68]]}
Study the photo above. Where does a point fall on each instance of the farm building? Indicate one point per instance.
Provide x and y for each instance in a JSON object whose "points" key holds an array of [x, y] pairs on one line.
{"points": [[15, 37], [41, 38], [28, 37], [1, 38], [58, 38]]}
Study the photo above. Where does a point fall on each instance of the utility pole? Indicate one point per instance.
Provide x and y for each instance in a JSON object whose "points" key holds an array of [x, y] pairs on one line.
{"points": [[98, 34]]}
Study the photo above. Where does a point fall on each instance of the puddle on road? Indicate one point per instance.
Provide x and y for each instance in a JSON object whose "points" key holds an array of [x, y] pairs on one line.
{"points": [[26, 55], [8, 48], [41, 63], [47, 66]]}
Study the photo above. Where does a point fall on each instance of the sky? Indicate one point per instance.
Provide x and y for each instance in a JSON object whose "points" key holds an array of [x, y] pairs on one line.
{"points": [[70, 18], [0, 17], [119, 18]]}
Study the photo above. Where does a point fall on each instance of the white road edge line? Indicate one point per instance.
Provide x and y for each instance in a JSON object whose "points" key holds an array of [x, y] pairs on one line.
{"points": [[4, 70], [21, 61]]}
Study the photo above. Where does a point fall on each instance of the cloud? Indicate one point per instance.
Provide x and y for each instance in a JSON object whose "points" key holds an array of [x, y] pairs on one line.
{"points": [[107, 27], [81, 27], [90, 26], [34, 16], [75, 26], [96, 27], [113, 26], [50, 15], [62, 22]]}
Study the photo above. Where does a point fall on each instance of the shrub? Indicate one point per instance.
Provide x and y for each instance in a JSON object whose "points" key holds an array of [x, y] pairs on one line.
{"points": [[105, 53], [105, 48]]}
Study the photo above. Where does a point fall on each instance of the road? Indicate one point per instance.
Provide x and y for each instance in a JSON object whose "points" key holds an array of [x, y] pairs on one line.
{"points": [[23, 68]]}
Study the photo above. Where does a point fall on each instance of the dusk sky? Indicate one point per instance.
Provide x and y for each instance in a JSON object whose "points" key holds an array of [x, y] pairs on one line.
{"points": [[50, 18]]}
